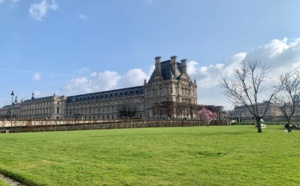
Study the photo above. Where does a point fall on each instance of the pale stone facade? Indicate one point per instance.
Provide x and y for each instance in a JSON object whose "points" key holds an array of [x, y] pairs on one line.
{"points": [[10, 111], [105, 105], [169, 82], [243, 112], [51, 107]]}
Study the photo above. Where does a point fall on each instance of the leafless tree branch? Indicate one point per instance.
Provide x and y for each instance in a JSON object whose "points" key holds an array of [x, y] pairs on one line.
{"points": [[246, 88]]}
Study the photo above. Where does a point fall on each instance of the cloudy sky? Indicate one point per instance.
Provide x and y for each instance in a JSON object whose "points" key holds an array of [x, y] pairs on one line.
{"points": [[72, 47]]}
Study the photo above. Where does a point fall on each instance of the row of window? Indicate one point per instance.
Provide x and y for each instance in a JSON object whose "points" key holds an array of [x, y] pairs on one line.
{"points": [[105, 96], [104, 116], [158, 92], [99, 110], [40, 111], [105, 103], [38, 104], [167, 91]]}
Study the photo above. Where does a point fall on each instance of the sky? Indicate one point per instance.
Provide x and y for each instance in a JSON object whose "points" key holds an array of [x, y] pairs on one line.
{"points": [[71, 47]]}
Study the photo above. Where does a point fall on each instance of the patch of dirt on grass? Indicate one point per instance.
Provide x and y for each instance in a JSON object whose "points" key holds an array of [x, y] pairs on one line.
{"points": [[10, 181]]}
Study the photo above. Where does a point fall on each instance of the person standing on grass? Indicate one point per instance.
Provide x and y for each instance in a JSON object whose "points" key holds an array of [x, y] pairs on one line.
{"points": [[288, 127]]}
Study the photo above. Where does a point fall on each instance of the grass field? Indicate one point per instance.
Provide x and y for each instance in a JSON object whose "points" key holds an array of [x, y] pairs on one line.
{"points": [[2, 183], [215, 155]]}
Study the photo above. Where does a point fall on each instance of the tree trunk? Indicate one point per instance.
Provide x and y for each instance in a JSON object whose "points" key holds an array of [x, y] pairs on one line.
{"points": [[289, 121], [258, 124], [289, 124]]}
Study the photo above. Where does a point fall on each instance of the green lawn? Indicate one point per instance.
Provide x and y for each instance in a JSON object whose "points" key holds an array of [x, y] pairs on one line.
{"points": [[3, 183], [215, 155]]}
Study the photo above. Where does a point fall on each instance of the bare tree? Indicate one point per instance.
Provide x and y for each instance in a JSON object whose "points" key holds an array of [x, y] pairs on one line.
{"points": [[289, 97], [156, 110], [180, 108], [246, 88], [168, 108], [186, 110], [163, 109], [193, 109], [127, 110]]}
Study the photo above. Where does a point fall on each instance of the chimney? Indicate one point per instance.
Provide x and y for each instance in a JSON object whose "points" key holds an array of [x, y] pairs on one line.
{"points": [[174, 64], [157, 64], [173, 59], [183, 66]]}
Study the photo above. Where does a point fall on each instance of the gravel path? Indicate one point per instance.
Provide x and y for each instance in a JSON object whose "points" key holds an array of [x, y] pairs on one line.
{"points": [[10, 181]]}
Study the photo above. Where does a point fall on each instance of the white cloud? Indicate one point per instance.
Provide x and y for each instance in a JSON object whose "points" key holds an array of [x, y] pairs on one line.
{"points": [[279, 55], [15, 1], [39, 10], [82, 17], [95, 82], [150, 70], [233, 63], [83, 70], [107, 80], [2, 1], [191, 67], [134, 77], [79, 85], [36, 77], [276, 47]]}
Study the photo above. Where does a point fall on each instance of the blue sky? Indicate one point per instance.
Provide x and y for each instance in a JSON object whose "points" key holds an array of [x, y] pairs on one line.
{"points": [[72, 47]]}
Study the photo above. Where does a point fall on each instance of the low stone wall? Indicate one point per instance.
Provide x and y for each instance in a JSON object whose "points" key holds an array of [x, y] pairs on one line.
{"points": [[19, 123], [64, 125]]}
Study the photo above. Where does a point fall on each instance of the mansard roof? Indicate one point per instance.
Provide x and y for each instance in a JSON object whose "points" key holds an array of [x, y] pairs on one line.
{"points": [[14, 105], [131, 91], [167, 72], [43, 99]]}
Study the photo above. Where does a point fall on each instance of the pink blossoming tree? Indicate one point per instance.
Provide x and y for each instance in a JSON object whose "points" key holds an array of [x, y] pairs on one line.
{"points": [[206, 115]]}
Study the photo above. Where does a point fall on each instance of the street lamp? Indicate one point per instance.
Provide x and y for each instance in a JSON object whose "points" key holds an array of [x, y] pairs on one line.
{"points": [[12, 104], [73, 108]]}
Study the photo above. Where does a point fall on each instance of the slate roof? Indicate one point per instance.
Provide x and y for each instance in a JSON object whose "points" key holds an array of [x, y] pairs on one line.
{"points": [[131, 91], [167, 71]]}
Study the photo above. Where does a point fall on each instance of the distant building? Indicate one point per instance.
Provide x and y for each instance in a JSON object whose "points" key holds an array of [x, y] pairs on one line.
{"points": [[243, 112], [51, 107], [170, 82], [169, 88], [11, 111], [106, 104]]}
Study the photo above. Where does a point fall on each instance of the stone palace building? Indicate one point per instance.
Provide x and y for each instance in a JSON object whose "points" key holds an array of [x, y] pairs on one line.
{"points": [[169, 93]]}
